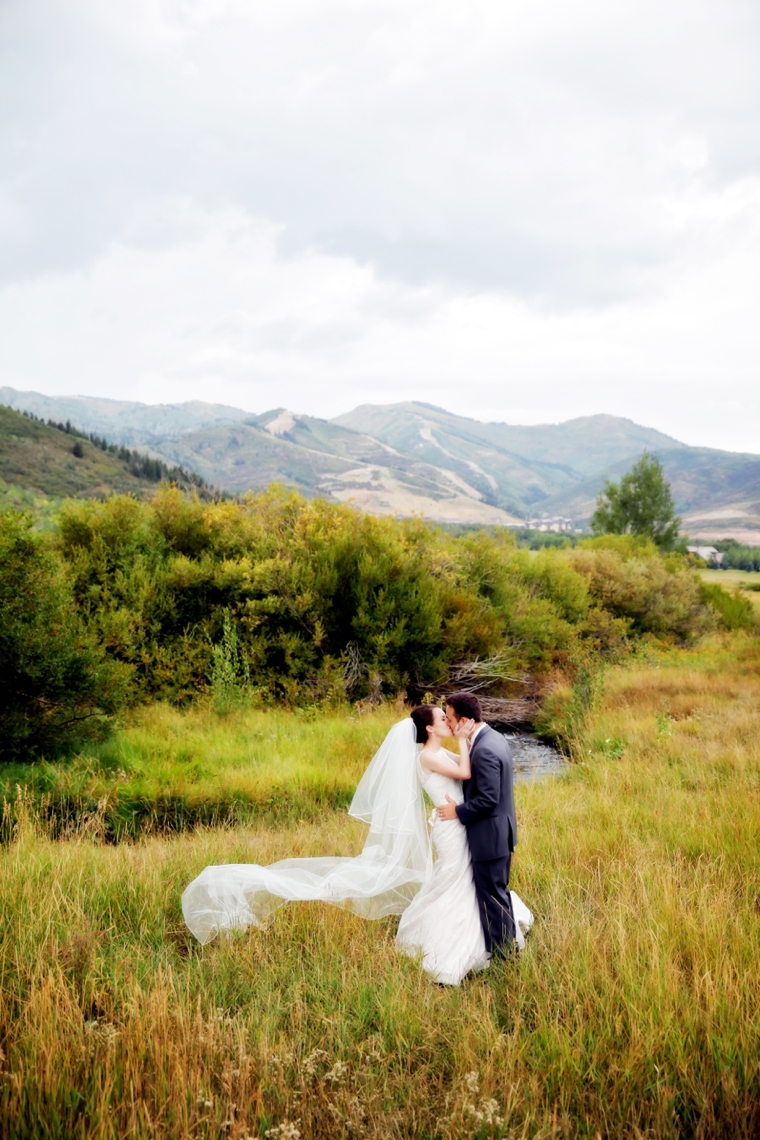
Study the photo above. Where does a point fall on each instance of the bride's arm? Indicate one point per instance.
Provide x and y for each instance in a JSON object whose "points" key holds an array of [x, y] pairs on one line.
{"points": [[465, 771], [431, 763]]}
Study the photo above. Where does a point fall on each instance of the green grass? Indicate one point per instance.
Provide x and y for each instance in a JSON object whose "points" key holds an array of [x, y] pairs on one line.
{"points": [[169, 770], [742, 580], [632, 1013]]}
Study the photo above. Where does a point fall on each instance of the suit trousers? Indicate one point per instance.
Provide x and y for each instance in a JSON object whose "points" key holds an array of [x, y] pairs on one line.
{"points": [[495, 903]]}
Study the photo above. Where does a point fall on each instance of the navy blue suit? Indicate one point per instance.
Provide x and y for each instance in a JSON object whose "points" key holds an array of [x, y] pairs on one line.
{"points": [[488, 813]]}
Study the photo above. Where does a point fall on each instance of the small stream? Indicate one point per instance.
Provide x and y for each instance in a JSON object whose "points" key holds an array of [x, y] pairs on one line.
{"points": [[533, 760]]}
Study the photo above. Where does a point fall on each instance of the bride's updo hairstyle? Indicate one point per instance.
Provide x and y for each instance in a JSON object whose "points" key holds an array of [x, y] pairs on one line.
{"points": [[423, 718]]}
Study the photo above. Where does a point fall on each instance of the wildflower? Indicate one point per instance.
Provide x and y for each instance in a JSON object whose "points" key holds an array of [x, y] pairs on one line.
{"points": [[472, 1081], [486, 1115], [337, 1073], [356, 1114], [490, 1110], [288, 1130], [312, 1061]]}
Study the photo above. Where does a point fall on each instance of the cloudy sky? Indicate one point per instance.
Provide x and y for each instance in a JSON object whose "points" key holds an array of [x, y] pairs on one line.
{"points": [[524, 211]]}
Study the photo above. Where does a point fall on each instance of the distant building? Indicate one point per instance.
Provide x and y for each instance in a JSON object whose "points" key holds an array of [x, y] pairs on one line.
{"points": [[557, 522], [707, 554]]}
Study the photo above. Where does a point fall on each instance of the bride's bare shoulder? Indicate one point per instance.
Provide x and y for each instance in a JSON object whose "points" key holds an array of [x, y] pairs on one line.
{"points": [[437, 761], [427, 759]]}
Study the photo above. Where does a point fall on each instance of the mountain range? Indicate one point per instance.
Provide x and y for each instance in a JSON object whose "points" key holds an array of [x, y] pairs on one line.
{"points": [[415, 458]]}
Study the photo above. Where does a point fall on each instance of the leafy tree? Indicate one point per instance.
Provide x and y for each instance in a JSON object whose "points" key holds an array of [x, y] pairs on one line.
{"points": [[58, 684], [640, 504]]}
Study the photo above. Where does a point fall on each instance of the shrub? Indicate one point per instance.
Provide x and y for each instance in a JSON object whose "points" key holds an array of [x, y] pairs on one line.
{"points": [[732, 610], [654, 595], [58, 685], [327, 603], [315, 592]]}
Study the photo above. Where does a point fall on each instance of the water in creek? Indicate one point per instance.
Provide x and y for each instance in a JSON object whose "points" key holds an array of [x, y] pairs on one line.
{"points": [[532, 759]]}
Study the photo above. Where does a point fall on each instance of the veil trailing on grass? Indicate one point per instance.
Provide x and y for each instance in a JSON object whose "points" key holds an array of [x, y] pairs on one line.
{"points": [[395, 860]]}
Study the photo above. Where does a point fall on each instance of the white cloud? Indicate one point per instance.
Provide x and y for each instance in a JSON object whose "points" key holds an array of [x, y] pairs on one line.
{"points": [[523, 210]]}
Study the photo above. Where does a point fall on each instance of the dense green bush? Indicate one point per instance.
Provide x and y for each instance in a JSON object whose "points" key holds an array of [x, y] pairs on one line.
{"points": [[651, 594], [326, 602], [732, 610], [280, 599], [58, 684]]}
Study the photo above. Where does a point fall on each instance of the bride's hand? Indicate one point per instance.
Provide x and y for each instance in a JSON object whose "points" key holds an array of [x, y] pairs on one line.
{"points": [[463, 729]]}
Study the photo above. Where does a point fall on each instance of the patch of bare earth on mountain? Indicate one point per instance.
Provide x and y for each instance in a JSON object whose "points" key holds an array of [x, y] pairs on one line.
{"points": [[377, 491]]}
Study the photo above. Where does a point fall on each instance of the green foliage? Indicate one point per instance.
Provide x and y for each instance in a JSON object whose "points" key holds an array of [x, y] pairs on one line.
{"points": [[171, 770], [652, 595], [230, 673], [58, 685], [738, 556], [732, 610], [567, 707], [640, 504], [326, 603], [278, 599]]}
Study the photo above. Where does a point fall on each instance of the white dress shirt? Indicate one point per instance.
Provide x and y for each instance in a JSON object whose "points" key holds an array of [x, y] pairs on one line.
{"points": [[476, 733]]}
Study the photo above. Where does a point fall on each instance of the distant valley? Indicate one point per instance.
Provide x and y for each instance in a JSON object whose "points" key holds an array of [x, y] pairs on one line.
{"points": [[415, 458]]}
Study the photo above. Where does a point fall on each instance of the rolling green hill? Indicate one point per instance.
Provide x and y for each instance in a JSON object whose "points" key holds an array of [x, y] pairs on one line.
{"points": [[324, 458], [717, 493], [415, 458], [574, 449], [125, 421], [41, 460]]}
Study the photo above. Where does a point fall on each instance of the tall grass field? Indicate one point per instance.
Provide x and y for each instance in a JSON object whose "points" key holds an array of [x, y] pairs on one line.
{"points": [[633, 1011]]}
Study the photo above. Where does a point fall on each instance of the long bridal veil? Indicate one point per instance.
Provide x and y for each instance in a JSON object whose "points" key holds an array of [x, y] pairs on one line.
{"points": [[395, 860]]}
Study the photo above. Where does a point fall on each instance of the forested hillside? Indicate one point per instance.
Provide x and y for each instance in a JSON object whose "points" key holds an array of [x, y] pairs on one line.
{"points": [[56, 461]]}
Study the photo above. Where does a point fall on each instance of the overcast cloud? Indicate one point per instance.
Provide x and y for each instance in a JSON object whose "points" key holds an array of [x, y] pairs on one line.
{"points": [[523, 211]]}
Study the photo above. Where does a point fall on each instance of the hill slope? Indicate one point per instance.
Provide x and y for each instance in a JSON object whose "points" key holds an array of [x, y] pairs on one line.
{"points": [[581, 446], [46, 461], [413, 457], [717, 493], [322, 458], [125, 421]]}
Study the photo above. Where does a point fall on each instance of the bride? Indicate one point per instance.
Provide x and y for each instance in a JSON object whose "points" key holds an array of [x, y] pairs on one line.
{"points": [[395, 872]]}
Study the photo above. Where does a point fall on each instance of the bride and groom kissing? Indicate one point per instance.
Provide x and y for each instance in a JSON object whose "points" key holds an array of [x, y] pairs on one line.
{"points": [[457, 911]]}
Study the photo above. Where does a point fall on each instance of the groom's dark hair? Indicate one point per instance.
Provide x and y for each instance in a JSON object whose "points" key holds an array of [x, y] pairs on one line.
{"points": [[465, 704]]}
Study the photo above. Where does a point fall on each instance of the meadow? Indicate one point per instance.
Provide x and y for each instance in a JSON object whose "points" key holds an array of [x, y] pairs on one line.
{"points": [[632, 1013], [747, 583]]}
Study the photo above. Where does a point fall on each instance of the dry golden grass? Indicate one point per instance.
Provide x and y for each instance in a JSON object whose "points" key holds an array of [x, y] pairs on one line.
{"points": [[633, 1012]]}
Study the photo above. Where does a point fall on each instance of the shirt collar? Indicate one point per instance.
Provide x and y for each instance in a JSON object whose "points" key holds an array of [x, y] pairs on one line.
{"points": [[476, 734]]}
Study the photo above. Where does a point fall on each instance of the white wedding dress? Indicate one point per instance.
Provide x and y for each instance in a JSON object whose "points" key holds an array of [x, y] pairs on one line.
{"points": [[394, 869], [441, 925]]}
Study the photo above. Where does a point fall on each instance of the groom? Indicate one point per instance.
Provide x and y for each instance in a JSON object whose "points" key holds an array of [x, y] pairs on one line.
{"points": [[488, 813]]}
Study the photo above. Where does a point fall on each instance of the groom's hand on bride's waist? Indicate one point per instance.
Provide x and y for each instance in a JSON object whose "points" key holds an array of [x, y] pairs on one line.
{"points": [[447, 810]]}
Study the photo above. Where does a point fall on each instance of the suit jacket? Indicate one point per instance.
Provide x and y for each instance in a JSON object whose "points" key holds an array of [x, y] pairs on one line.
{"points": [[488, 811]]}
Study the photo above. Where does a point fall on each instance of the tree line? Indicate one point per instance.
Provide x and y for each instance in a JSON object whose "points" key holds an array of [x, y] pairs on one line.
{"points": [[138, 464]]}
